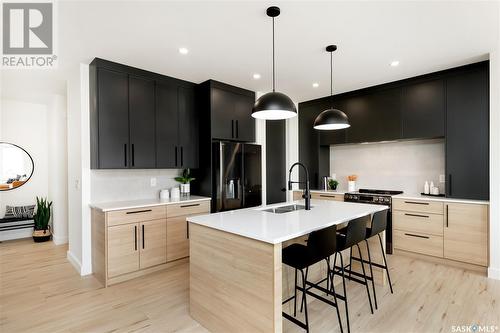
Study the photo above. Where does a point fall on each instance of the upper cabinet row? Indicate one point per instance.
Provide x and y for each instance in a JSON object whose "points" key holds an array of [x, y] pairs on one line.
{"points": [[144, 120]]}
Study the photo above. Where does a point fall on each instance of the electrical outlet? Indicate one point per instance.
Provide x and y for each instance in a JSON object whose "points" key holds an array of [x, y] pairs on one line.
{"points": [[442, 178], [153, 182]]}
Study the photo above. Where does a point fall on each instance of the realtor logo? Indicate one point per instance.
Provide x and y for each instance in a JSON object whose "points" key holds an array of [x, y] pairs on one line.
{"points": [[28, 29]]}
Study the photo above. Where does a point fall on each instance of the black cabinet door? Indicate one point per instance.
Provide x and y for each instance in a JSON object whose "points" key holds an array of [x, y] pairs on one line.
{"points": [[423, 110], [142, 123], [223, 117], [467, 135], [188, 128], [113, 120], [167, 124], [309, 143], [374, 116], [244, 126], [275, 161]]}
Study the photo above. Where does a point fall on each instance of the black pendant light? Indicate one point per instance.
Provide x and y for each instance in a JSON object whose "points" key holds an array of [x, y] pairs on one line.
{"points": [[274, 105], [331, 119]]}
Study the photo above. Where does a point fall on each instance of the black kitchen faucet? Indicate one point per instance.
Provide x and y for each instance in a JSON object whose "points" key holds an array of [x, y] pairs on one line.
{"points": [[307, 192]]}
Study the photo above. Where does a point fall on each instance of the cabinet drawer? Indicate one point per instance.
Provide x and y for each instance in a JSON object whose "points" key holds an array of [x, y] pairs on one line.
{"points": [[418, 242], [136, 215], [418, 222], [327, 196], [188, 208], [422, 206]]}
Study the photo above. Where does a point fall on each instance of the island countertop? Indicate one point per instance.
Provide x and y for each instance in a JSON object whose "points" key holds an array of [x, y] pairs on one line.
{"points": [[256, 223]]}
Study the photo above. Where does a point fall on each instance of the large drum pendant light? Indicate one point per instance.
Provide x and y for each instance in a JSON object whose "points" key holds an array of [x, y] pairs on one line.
{"points": [[331, 119], [274, 105]]}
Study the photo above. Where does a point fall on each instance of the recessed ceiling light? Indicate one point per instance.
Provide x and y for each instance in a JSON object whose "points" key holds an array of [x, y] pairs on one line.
{"points": [[183, 50], [256, 76], [394, 63], [315, 85]]}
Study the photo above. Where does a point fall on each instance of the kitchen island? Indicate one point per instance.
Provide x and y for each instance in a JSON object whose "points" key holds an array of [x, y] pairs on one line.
{"points": [[235, 260]]}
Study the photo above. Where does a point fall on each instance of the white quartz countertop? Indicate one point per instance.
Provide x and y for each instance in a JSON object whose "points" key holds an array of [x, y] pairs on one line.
{"points": [[132, 204], [442, 199], [274, 228], [323, 191]]}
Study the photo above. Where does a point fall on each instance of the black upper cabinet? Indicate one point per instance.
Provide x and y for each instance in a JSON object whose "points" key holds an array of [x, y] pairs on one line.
{"points": [[423, 110], [142, 123], [188, 127], [467, 134], [231, 112], [374, 116], [167, 124], [113, 123]]}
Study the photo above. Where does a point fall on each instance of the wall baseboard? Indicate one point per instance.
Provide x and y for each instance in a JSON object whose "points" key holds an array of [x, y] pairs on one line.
{"points": [[74, 261], [59, 240], [494, 273]]}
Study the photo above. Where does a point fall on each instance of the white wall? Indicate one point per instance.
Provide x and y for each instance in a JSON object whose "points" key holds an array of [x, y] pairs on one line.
{"points": [[390, 166]]}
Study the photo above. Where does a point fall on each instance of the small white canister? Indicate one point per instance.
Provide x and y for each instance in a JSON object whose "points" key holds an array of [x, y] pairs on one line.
{"points": [[351, 184], [164, 194], [175, 193]]}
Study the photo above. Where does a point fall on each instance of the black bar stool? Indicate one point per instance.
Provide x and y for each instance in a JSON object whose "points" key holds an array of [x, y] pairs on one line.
{"points": [[352, 235], [320, 246], [378, 225]]}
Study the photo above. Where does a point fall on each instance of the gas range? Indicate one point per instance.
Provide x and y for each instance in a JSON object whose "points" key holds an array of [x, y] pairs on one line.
{"points": [[376, 197]]}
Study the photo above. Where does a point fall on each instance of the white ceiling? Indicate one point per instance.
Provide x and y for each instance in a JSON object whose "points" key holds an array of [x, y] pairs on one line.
{"points": [[229, 41]]}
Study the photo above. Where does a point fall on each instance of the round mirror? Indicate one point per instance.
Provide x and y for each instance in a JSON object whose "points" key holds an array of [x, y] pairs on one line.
{"points": [[16, 166]]}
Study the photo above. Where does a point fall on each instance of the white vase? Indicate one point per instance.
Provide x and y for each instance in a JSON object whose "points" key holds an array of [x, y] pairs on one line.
{"points": [[351, 186], [185, 189]]}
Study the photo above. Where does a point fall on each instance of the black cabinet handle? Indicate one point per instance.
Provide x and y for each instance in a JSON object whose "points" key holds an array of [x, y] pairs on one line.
{"points": [[327, 196], [447, 220], [139, 211], [417, 215], [192, 205], [143, 236], [237, 129], [125, 153], [187, 229], [232, 129], [135, 237], [417, 203], [133, 155], [418, 236], [175, 155], [182, 156], [449, 184]]}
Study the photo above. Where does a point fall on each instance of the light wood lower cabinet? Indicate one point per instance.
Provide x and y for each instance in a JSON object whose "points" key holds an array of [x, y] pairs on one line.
{"points": [[466, 233], [297, 195], [130, 243], [448, 230]]}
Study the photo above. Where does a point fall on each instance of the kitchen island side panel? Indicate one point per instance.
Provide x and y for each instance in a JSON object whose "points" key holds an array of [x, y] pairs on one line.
{"points": [[235, 282]]}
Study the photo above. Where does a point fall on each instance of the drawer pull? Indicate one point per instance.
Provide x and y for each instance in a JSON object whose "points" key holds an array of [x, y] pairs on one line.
{"points": [[418, 236], [192, 205], [135, 238], [139, 211], [417, 215], [327, 196], [417, 203]]}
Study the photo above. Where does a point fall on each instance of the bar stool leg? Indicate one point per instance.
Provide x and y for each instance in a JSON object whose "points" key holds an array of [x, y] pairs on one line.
{"points": [[350, 262], [371, 273], [385, 262], [304, 294], [366, 281], [304, 279], [328, 273], [295, 296], [345, 293], [335, 297]]}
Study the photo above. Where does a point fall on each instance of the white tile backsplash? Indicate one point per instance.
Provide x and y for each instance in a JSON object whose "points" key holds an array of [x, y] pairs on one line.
{"points": [[117, 185], [402, 165]]}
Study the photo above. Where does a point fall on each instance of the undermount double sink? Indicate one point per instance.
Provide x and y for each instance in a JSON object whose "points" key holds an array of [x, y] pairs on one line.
{"points": [[284, 209]]}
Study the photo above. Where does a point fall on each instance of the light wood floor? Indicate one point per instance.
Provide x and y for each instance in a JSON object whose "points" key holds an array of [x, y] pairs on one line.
{"points": [[41, 292]]}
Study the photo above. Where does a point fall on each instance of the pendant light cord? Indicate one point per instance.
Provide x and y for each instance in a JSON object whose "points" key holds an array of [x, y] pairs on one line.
{"points": [[331, 78], [274, 75]]}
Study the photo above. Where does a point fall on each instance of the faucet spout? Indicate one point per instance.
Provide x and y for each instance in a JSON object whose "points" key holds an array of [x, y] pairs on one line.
{"points": [[307, 192]]}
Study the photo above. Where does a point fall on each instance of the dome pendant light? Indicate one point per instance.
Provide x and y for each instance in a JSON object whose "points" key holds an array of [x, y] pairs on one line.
{"points": [[274, 105], [331, 119]]}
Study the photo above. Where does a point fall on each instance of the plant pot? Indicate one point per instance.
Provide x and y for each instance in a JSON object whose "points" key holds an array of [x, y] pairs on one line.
{"points": [[185, 189], [40, 236], [333, 188]]}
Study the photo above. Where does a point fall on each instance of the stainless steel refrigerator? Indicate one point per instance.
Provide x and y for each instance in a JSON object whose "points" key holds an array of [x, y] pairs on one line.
{"points": [[237, 175]]}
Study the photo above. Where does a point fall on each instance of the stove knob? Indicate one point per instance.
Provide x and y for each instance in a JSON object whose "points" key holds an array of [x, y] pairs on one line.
{"points": [[386, 199], [375, 199]]}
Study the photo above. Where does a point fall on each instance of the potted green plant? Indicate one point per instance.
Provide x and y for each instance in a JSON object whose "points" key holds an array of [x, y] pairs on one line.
{"points": [[185, 179], [332, 184], [41, 232]]}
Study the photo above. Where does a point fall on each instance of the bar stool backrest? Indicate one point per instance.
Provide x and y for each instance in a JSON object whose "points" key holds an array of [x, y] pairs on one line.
{"points": [[379, 222], [356, 231], [322, 243]]}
